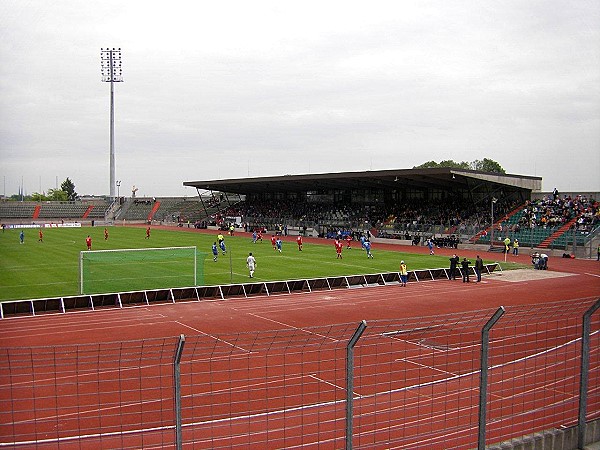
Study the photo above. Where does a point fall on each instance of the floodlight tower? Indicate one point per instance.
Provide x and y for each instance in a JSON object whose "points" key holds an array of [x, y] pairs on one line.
{"points": [[110, 61]]}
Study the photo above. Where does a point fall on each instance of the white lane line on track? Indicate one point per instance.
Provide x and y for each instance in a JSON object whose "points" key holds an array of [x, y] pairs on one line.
{"points": [[213, 337], [292, 327]]}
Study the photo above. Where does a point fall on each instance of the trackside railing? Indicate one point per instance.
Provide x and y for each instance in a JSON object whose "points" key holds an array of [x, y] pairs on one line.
{"points": [[480, 379], [16, 308]]}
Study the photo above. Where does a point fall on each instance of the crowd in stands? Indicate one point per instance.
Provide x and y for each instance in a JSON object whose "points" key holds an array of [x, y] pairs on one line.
{"points": [[553, 211], [408, 217]]}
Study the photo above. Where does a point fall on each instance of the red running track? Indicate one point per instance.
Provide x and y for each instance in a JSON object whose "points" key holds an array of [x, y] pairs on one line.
{"points": [[295, 313]]}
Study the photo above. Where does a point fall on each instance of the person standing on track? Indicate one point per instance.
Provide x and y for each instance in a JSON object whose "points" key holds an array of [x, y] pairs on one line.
{"points": [[453, 265], [478, 268], [251, 263], [403, 274], [465, 270]]}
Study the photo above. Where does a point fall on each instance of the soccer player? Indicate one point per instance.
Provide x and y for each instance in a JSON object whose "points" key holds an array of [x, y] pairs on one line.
{"points": [[299, 242], [220, 238], [222, 245], [274, 242], [251, 263], [215, 251], [254, 237], [430, 246], [22, 237], [41, 233], [278, 244], [88, 242], [259, 235], [105, 234], [338, 248], [368, 249], [148, 233], [348, 240]]}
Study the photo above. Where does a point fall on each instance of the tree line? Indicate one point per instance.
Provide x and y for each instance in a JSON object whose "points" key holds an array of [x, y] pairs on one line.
{"points": [[66, 193]]}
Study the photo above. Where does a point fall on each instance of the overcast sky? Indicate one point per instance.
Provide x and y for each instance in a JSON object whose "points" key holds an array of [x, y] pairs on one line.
{"points": [[233, 89]]}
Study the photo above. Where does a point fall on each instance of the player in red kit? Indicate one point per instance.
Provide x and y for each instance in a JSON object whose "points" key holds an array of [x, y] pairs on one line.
{"points": [[348, 240], [338, 248], [274, 242], [148, 233], [88, 242], [299, 241]]}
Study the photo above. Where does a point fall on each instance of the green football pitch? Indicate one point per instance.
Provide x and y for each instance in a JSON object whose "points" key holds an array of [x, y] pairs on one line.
{"points": [[51, 268]]}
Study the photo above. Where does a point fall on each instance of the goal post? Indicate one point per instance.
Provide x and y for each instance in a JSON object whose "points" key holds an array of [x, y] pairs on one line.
{"points": [[122, 270]]}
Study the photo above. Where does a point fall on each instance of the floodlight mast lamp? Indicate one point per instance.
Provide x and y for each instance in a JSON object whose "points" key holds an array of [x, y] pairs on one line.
{"points": [[110, 61]]}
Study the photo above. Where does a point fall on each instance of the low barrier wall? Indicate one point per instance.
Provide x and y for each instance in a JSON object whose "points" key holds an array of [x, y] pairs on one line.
{"points": [[219, 292]]}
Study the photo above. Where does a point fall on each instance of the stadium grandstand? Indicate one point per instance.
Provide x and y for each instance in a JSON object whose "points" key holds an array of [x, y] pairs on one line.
{"points": [[448, 205]]}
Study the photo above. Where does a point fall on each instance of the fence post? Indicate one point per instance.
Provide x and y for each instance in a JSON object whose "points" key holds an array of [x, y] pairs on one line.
{"points": [[483, 375], [350, 380], [177, 393], [584, 373]]}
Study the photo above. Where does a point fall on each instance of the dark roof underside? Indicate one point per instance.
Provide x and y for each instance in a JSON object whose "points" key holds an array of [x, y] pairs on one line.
{"points": [[438, 178]]}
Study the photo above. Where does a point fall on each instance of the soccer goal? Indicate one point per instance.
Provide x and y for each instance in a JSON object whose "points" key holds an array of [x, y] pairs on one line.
{"points": [[138, 269]]}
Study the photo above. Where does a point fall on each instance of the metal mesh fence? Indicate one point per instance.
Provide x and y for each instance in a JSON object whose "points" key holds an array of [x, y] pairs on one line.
{"points": [[416, 383]]}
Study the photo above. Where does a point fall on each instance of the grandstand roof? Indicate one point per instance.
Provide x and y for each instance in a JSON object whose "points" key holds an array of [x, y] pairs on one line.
{"points": [[436, 178]]}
